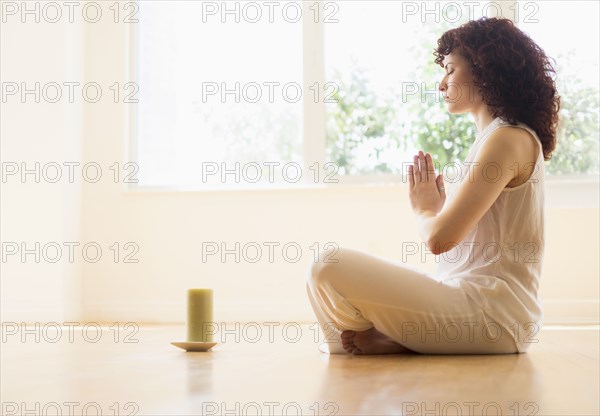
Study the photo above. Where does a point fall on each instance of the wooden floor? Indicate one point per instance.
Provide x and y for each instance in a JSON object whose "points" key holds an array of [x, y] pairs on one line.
{"points": [[279, 374]]}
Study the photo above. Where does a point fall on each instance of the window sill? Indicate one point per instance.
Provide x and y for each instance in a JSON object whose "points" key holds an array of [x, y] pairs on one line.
{"points": [[561, 192]]}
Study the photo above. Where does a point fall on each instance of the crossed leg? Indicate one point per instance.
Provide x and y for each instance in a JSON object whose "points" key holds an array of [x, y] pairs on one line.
{"points": [[369, 305]]}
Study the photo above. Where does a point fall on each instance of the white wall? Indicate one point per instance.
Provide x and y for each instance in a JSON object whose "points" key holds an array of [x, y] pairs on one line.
{"points": [[47, 133], [170, 227]]}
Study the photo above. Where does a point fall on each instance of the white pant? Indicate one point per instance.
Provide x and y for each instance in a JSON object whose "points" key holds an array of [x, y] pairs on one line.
{"points": [[361, 291]]}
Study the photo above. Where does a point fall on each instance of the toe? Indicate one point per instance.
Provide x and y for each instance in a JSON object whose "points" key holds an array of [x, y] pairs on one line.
{"points": [[348, 343], [348, 334]]}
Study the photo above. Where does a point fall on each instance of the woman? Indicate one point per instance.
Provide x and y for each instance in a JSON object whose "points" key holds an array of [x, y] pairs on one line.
{"points": [[487, 227]]}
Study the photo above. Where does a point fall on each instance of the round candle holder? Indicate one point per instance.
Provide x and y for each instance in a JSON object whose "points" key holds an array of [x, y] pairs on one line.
{"points": [[192, 346]]}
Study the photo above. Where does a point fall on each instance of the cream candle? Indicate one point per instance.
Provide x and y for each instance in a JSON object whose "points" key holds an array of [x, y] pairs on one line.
{"points": [[199, 315]]}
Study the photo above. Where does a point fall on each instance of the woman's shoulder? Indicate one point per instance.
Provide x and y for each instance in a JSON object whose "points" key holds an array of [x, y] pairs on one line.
{"points": [[521, 142], [519, 137]]}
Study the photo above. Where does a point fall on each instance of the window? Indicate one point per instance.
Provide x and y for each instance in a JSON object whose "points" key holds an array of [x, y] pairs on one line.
{"points": [[216, 99], [389, 105], [241, 94]]}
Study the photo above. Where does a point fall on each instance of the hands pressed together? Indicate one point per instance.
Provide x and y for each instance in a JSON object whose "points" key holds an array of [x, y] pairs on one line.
{"points": [[426, 191]]}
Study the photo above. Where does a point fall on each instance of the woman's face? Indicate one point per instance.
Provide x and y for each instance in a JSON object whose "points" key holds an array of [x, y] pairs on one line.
{"points": [[457, 87]]}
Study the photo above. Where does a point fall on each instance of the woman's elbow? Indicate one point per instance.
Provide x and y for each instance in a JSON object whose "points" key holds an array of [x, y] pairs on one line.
{"points": [[438, 245]]}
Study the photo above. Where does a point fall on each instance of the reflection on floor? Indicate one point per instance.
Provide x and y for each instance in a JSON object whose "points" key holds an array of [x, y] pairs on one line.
{"points": [[272, 368]]}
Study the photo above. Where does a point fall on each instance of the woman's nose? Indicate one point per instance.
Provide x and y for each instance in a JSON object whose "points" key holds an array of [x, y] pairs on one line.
{"points": [[443, 84]]}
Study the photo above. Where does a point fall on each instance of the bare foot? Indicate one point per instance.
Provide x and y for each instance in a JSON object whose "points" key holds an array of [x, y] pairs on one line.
{"points": [[371, 341]]}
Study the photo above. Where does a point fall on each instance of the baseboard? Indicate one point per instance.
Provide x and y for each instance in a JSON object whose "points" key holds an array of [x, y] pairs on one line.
{"points": [[571, 311], [556, 312], [175, 312]]}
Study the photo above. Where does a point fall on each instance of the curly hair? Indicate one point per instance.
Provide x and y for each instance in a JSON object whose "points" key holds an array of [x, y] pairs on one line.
{"points": [[512, 73]]}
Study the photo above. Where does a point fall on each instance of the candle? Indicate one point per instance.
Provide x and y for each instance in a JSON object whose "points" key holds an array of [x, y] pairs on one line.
{"points": [[200, 315]]}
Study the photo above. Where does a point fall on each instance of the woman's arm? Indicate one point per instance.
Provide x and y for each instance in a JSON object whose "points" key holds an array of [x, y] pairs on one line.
{"points": [[489, 173]]}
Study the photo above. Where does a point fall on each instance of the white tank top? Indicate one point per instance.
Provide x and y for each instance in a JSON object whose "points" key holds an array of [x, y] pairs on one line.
{"points": [[499, 262]]}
